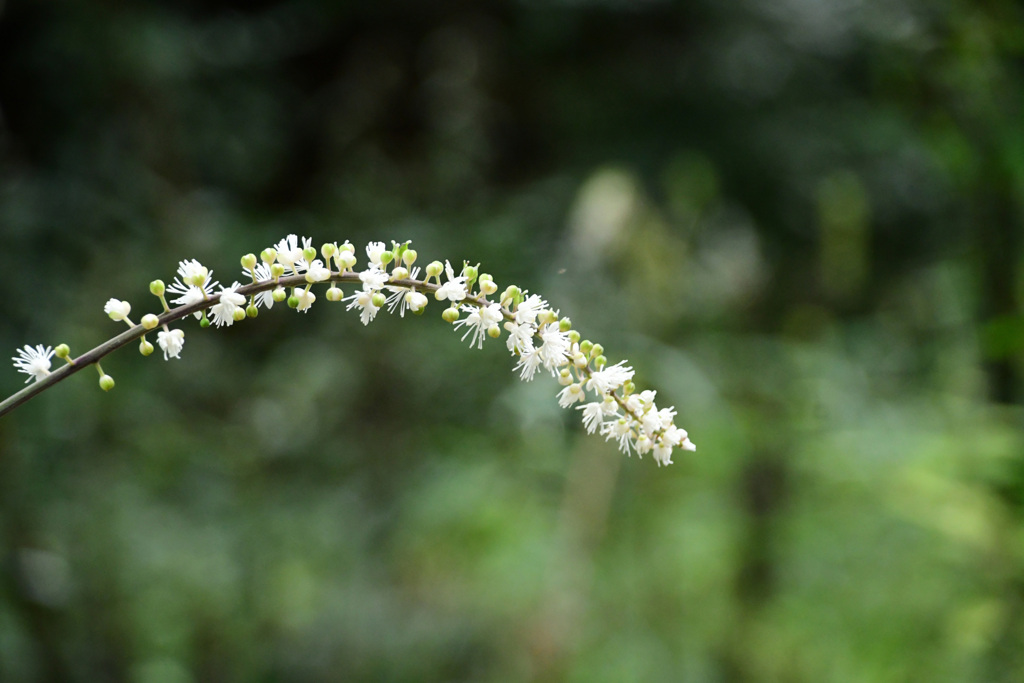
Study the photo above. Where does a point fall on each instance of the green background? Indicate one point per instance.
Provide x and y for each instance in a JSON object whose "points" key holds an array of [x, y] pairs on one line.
{"points": [[799, 221]]}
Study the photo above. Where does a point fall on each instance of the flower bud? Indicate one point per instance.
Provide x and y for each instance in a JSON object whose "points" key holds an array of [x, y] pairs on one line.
{"points": [[334, 294], [564, 377], [145, 348], [249, 261], [204, 322], [293, 301], [345, 258], [378, 299], [585, 346], [328, 250], [399, 273], [252, 311], [493, 331], [276, 271], [269, 255], [106, 382], [628, 387], [564, 325], [309, 253], [149, 321], [450, 315], [157, 287], [600, 362], [279, 295], [386, 257], [409, 257], [62, 351], [346, 247], [596, 351], [434, 268], [198, 276], [238, 314], [470, 272], [574, 337]]}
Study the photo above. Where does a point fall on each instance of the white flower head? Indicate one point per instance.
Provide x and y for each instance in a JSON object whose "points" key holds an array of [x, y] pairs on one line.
{"points": [[364, 301], [528, 308], [554, 352], [117, 309], [571, 394], [520, 337], [373, 252], [33, 361], [171, 342], [479, 321], [373, 278], [416, 301], [317, 272], [620, 430], [454, 289], [223, 311], [662, 453], [306, 299], [289, 251], [264, 298], [593, 415], [194, 283], [528, 364], [610, 378]]}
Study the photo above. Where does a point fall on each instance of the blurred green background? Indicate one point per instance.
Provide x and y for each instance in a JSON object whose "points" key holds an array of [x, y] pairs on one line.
{"points": [[800, 221]]}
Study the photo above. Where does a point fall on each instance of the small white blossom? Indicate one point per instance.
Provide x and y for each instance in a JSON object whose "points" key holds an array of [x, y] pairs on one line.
{"points": [[289, 251], [454, 289], [223, 311], [194, 283], [266, 297], [33, 361], [306, 299], [554, 352], [373, 278], [373, 252], [364, 301], [117, 309], [316, 272], [171, 342], [479, 321], [618, 430], [520, 337], [593, 415], [415, 300], [610, 378], [528, 364], [662, 453], [571, 394], [527, 310]]}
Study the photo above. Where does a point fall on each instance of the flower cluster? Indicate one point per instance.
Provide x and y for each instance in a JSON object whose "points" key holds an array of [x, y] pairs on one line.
{"points": [[536, 336]]}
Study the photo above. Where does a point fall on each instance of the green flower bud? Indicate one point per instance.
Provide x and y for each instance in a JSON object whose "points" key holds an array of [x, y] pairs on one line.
{"points": [[628, 387], [238, 314], [106, 382], [249, 261], [564, 325], [204, 322], [309, 253], [149, 321], [493, 332], [450, 315], [586, 345], [279, 295], [157, 287], [347, 247], [600, 362], [335, 294], [386, 257], [252, 311], [378, 299], [596, 351], [276, 270], [409, 257], [328, 250], [471, 273], [269, 255], [145, 348], [574, 337], [293, 301], [399, 273], [434, 268], [62, 351]]}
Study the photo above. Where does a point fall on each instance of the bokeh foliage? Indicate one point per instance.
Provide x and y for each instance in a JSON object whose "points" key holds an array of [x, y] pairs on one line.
{"points": [[800, 221]]}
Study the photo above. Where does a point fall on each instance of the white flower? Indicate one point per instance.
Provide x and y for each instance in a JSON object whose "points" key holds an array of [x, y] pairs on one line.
{"points": [[306, 299], [373, 252], [454, 289], [264, 298], [194, 283], [171, 342], [520, 337], [662, 453], [289, 251], [571, 394], [618, 430], [316, 272], [608, 379], [415, 300], [117, 309], [554, 352], [223, 311], [643, 444], [34, 362], [593, 415], [364, 301], [479, 321], [373, 278], [528, 308], [528, 364]]}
